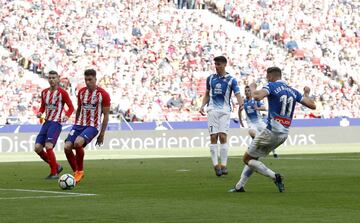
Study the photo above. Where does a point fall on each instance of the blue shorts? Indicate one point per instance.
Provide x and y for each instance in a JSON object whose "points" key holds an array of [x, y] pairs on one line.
{"points": [[87, 132], [49, 132]]}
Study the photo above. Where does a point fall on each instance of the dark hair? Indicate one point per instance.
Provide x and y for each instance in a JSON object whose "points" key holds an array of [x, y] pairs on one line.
{"points": [[274, 70], [53, 72], [220, 59], [247, 86], [90, 72]]}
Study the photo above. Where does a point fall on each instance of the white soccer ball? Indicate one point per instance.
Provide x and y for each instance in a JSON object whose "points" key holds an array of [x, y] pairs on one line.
{"points": [[67, 182]]}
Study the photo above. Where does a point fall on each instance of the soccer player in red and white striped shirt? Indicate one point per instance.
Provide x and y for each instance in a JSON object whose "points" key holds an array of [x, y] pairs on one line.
{"points": [[52, 104], [93, 104]]}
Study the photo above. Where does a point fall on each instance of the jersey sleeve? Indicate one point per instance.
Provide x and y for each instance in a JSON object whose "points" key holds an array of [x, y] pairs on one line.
{"points": [[235, 86], [208, 83], [268, 87], [68, 102], [42, 106], [106, 99]]}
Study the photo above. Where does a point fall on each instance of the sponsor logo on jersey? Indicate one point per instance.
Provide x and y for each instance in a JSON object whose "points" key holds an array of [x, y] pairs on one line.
{"points": [[284, 121]]}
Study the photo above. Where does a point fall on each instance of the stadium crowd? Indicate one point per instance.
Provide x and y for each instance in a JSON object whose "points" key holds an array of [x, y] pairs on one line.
{"points": [[153, 58]]}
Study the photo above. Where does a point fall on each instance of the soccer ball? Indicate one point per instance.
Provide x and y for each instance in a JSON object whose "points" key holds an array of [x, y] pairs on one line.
{"points": [[67, 182]]}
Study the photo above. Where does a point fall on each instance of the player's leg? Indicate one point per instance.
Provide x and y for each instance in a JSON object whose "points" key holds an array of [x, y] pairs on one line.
{"points": [[81, 141], [40, 142], [69, 146], [258, 166], [70, 156], [245, 175], [224, 125], [214, 153], [55, 168], [52, 137], [213, 125], [259, 148], [252, 133], [39, 149], [263, 143], [79, 148], [223, 152]]}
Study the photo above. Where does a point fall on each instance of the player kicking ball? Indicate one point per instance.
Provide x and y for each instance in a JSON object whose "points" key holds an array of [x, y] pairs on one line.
{"points": [[282, 99], [93, 104], [253, 117], [52, 104]]}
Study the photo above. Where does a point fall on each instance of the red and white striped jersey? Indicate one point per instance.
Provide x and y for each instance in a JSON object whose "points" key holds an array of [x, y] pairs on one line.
{"points": [[52, 103], [91, 103]]}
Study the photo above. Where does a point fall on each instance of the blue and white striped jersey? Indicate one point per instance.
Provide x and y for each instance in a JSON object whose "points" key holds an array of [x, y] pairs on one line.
{"points": [[282, 100], [220, 88], [252, 115]]}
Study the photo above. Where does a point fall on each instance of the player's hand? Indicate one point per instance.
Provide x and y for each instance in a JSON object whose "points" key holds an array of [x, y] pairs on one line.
{"points": [[100, 139], [306, 90], [253, 86], [241, 124], [202, 111], [241, 107]]}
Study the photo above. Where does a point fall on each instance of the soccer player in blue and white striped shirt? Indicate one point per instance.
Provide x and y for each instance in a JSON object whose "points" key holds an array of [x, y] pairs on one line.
{"points": [[282, 99], [219, 87]]}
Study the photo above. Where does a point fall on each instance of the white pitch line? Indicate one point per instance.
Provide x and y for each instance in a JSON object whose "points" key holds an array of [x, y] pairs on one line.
{"points": [[40, 197], [313, 158], [183, 170], [60, 194]]}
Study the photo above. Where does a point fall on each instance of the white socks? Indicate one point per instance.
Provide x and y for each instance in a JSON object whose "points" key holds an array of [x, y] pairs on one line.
{"points": [[261, 168], [224, 153], [214, 154], [246, 173]]}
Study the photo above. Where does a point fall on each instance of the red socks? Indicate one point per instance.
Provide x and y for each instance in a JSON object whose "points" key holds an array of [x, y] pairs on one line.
{"points": [[43, 155], [80, 158], [52, 161], [71, 159]]}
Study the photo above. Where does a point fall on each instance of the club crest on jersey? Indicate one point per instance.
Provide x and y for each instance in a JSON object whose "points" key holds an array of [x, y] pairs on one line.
{"points": [[51, 106], [284, 121], [218, 89], [89, 106]]}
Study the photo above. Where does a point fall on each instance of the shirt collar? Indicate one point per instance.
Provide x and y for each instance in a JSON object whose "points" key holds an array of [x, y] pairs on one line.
{"points": [[223, 77]]}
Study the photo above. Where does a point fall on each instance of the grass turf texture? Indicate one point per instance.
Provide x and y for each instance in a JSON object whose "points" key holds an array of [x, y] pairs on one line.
{"points": [[319, 188]]}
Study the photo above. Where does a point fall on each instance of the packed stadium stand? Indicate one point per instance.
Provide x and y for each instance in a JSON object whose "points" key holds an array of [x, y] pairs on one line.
{"points": [[153, 56]]}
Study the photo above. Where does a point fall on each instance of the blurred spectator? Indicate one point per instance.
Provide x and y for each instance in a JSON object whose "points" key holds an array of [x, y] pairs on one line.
{"points": [[145, 50]]}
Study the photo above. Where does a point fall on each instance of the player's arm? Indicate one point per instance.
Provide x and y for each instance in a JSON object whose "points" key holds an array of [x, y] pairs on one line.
{"points": [[42, 107], [78, 110], [106, 111], [206, 97], [69, 104], [306, 101], [100, 138], [258, 94], [241, 107]]}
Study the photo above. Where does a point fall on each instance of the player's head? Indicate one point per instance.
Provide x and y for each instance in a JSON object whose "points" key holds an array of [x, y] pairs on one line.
{"points": [[90, 78], [247, 92], [273, 74], [53, 78], [220, 64]]}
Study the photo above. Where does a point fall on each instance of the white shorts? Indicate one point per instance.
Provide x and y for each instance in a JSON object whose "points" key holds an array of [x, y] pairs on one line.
{"points": [[257, 126], [218, 121], [265, 142]]}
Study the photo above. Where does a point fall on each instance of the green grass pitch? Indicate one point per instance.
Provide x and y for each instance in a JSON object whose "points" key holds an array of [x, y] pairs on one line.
{"points": [[319, 188]]}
